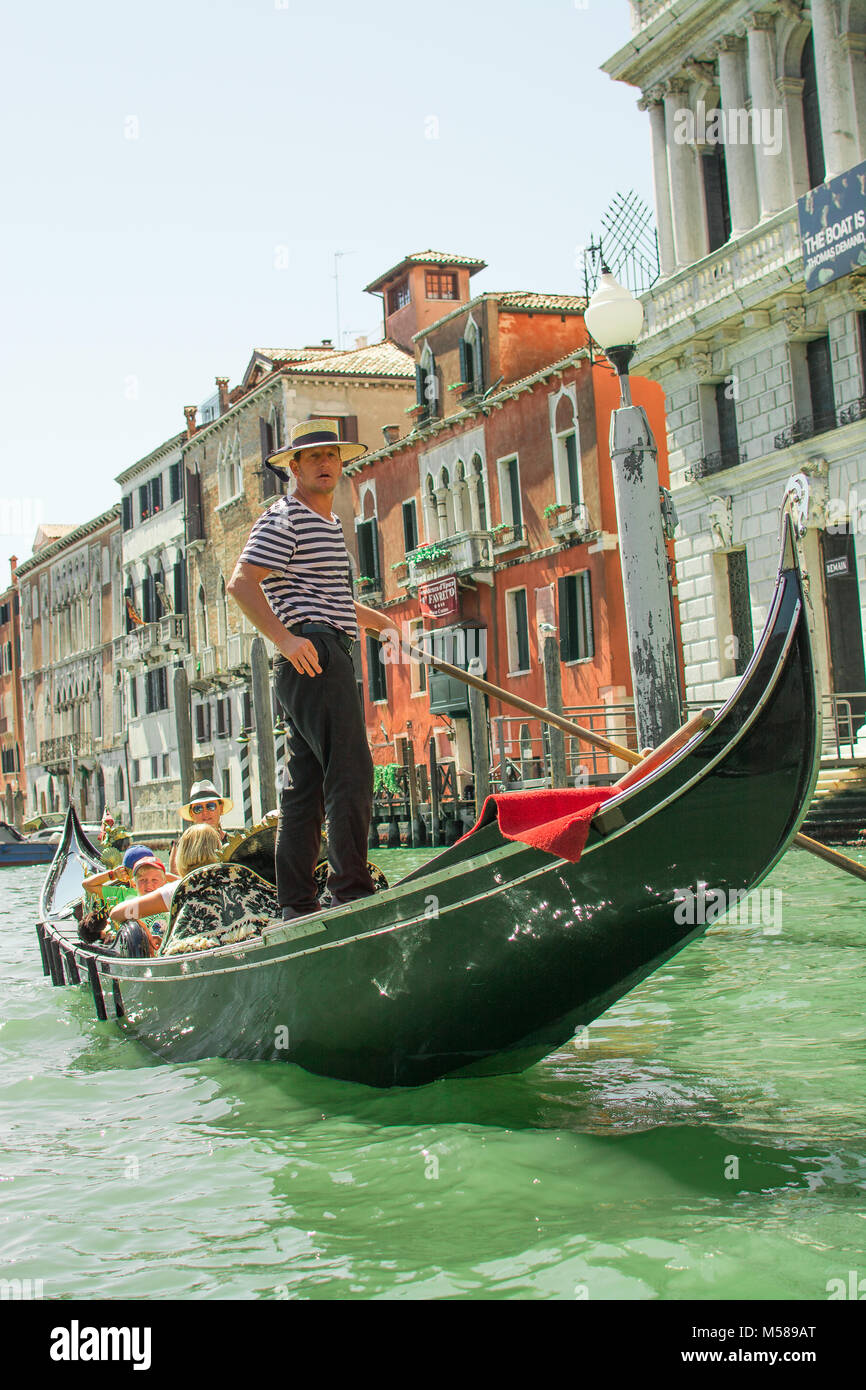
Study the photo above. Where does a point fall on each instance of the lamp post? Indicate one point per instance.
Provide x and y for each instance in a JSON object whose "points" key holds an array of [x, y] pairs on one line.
{"points": [[615, 318]]}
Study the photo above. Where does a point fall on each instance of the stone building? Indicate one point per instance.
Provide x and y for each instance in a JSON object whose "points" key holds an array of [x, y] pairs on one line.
{"points": [[12, 799], [152, 630], [492, 521], [70, 594], [227, 487], [751, 107]]}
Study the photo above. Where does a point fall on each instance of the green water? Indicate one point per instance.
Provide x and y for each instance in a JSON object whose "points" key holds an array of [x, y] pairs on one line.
{"points": [[705, 1139]]}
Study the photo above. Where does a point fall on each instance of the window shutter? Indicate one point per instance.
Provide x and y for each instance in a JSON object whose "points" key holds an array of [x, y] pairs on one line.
{"points": [[127, 512], [420, 379], [156, 494], [589, 635], [374, 543], [179, 586], [465, 362], [566, 625], [350, 429]]}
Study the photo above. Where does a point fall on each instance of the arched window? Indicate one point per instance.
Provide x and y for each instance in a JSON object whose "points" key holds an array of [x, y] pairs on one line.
{"points": [[222, 613], [229, 475], [428, 384], [812, 116], [431, 515], [566, 456], [471, 359], [462, 509], [478, 473], [121, 789], [201, 618]]}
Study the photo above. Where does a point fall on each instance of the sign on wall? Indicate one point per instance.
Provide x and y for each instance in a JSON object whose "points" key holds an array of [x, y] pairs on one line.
{"points": [[833, 228], [438, 599]]}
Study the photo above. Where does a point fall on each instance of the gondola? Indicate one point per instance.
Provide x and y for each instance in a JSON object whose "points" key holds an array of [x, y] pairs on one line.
{"points": [[496, 952], [16, 849]]}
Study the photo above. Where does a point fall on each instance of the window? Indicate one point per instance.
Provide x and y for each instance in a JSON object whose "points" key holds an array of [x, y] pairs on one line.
{"points": [[509, 491], [716, 196], [399, 296], [179, 586], [202, 724], [150, 497], [227, 783], [576, 642], [270, 439], [247, 712], [229, 473], [517, 623], [154, 768], [726, 414], [471, 364], [166, 764], [440, 284], [8, 763], [347, 426], [127, 512], [377, 685], [417, 669], [410, 526], [741, 609], [821, 384], [812, 116], [224, 718], [427, 385], [133, 699], [136, 770], [155, 690], [368, 548], [175, 482]]}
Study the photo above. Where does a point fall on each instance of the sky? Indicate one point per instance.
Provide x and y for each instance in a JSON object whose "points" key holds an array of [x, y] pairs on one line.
{"points": [[178, 178]]}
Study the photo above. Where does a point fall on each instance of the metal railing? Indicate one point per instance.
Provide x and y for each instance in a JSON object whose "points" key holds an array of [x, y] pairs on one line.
{"points": [[520, 747], [717, 462], [843, 717]]}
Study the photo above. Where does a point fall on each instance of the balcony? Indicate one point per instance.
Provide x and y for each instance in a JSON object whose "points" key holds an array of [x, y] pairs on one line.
{"points": [[238, 651], [54, 752], [153, 642], [569, 520], [469, 554], [715, 463], [805, 428], [369, 590], [193, 668], [508, 537], [172, 632]]}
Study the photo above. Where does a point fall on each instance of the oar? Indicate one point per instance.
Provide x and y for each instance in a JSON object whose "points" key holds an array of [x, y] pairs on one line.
{"points": [[642, 764]]}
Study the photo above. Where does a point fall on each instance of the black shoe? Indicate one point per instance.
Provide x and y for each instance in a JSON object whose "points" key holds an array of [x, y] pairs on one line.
{"points": [[290, 913]]}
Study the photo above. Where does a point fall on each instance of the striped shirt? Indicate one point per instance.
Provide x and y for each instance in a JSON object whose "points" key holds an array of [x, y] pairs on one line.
{"points": [[312, 579]]}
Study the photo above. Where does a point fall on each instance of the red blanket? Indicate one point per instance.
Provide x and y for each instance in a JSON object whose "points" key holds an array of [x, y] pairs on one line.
{"points": [[555, 821]]}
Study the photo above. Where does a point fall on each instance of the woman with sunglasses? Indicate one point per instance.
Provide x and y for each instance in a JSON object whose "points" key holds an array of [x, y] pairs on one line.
{"points": [[205, 807]]}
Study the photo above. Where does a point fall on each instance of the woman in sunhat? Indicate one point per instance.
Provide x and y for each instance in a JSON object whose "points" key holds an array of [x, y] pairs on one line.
{"points": [[205, 807]]}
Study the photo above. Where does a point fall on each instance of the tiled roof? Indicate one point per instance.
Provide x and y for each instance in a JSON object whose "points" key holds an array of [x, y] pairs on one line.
{"points": [[379, 359], [470, 263], [529, 299]]}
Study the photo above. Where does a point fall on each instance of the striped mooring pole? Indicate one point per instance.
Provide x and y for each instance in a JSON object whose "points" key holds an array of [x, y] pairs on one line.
{"points": [[246, 783]]}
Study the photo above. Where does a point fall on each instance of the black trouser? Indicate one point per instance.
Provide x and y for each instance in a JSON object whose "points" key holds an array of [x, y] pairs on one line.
{"points": [[330, 774]]}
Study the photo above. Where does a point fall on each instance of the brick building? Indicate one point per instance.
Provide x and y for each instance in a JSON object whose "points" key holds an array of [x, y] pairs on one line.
{"points": [[496, 512], [12, 799], [227, 487], [70, 603]]}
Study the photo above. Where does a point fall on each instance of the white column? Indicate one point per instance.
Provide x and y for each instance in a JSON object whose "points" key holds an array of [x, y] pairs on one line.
{"points": [[791, 92], [685, 192], [854, 50], [739, 156], [831, 72], [773, 187], [474, 486], [661, 180]]}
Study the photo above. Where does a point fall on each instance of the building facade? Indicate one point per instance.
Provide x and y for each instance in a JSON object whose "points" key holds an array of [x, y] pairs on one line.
{"points": [[70, 600], [750, 108], [365, 388], [151, 628], [12, 796], [490, 523]]}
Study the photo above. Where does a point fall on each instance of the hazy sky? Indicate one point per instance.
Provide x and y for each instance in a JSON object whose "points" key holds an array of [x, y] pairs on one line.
{"points": [[178, 176]]}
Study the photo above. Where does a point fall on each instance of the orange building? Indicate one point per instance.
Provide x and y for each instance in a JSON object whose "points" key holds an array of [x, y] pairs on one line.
{"points": [[491, 522], [11, 726]]}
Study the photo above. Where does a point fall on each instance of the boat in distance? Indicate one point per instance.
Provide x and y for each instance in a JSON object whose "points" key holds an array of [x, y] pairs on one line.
{"points": [[493, 953]]}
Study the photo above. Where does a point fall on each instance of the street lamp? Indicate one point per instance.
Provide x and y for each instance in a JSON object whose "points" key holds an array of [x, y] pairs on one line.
{"points": [[615, 318]]}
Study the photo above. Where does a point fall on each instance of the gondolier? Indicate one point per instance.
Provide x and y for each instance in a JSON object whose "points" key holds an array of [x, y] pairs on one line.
{"points": [[293, 581]]}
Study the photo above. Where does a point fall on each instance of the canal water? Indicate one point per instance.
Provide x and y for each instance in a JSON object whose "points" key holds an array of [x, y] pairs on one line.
{"points": [[704, 1139]]}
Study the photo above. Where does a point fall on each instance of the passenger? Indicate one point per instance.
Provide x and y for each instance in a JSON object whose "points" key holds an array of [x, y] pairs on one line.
{"points": [[142, 920], [197, 847], [205, 807], [116, 885]]}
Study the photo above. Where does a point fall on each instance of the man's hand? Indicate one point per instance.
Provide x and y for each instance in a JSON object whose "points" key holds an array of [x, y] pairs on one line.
{"points": [[302, 654]]}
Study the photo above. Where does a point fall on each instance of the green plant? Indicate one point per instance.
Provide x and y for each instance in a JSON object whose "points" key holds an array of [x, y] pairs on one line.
{"points": [[385, 779], [555, 507], [429, 554], [503, 526], [400, 564]]}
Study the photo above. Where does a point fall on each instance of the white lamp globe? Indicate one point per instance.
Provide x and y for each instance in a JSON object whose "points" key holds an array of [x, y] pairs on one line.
{"points": [[613, 316]]}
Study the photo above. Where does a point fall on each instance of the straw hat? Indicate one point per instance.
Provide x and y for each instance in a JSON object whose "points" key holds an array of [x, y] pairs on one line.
{"points": [[205, 791], [314, 434]]}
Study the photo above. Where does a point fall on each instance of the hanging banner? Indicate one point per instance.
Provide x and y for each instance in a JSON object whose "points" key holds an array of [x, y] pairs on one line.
{"points": [[833, 227], [439, 598]]}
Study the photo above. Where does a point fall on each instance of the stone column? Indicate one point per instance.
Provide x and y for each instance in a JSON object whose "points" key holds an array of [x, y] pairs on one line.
{"points": [[474, 487], [685, 193], [442, 513], [739, 156], [661, 179], [773, 186], [853, 47], [791, 91], [831, 71]]}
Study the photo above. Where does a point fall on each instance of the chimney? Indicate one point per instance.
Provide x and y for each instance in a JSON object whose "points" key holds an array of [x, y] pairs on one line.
{"points": [[223, 388], [391, 433], [13, 565], [190, 412], [361, 342], [327, 342]]}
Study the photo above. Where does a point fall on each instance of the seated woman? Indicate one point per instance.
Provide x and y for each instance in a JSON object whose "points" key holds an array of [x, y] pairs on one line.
{"points": [[221, 906], [142, 920]]}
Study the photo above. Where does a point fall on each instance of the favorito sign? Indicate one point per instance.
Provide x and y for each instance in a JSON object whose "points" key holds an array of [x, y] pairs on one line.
{"points": [[833, 228], [439, 598]]}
